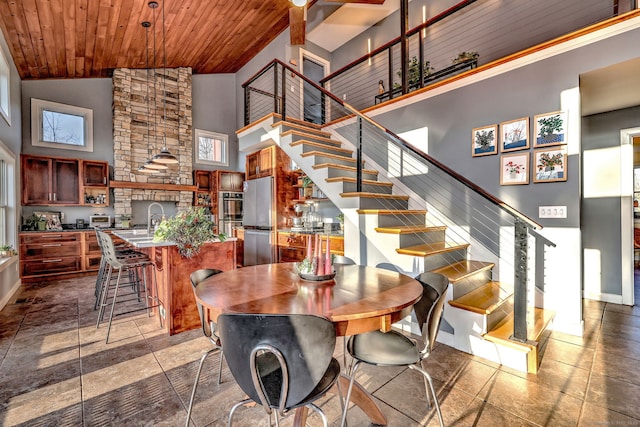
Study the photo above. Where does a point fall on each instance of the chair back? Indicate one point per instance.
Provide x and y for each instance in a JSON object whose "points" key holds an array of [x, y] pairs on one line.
{"points": [[343, 260], [196, 277], [430, 307], [297, 350], [108, 249]]}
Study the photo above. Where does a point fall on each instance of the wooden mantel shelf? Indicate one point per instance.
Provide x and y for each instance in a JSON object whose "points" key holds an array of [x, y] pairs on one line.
{"points": [[152, 186]]}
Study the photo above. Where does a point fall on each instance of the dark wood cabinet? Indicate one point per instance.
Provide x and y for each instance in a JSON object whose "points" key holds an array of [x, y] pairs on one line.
{"points": [[44, 254], [64, 181], [260, 163], [210, 183], [49, 181]]}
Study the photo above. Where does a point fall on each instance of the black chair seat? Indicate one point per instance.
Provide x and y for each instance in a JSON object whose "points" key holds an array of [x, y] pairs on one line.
{"points": [[383, 349]]}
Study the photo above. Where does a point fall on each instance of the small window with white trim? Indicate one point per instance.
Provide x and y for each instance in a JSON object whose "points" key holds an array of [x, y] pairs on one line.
{"points": [[211, 148], [63, 126]]}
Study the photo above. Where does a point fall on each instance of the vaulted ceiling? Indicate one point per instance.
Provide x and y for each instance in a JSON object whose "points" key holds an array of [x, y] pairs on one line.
{"points": [[89, 38]]}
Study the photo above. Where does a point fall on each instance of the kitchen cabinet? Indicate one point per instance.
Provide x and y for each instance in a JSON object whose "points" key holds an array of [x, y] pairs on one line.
{"points": [[59, 253], [261, 163], [51, 181], [292, 246], [210, 183], [94, 179], [46, 254]]}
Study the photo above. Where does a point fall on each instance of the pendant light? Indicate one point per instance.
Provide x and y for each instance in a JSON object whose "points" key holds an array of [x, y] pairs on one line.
{"points": [[144, 168], [164, 157]]}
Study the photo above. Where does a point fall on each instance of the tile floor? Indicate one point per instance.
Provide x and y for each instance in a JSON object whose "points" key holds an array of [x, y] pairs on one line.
{"points": [[56, 370]]}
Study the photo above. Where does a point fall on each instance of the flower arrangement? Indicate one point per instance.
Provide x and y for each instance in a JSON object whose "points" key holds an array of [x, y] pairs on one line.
{"points": [[516, 168], [550, 160], [189, 230], [6, 251]]}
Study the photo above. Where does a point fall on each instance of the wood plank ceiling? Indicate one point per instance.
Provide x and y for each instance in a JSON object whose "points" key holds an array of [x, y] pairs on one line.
{"points": [[89, 38]]}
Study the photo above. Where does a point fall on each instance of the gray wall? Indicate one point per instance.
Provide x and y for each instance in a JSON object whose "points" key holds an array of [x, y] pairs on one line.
{"points": [[214, 109]]}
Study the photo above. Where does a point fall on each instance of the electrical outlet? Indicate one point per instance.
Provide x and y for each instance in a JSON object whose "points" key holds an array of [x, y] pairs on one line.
{"points": [[344, 97], [293, 88], [163, 313], [552, 211]]}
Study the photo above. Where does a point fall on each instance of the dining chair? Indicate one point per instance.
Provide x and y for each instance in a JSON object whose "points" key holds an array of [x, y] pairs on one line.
{"points": [[343, 260], [395, 349], [281, 362], [209, 330]]}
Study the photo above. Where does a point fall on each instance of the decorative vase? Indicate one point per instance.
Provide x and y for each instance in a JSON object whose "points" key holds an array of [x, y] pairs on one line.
{"points": [[308, 192]]}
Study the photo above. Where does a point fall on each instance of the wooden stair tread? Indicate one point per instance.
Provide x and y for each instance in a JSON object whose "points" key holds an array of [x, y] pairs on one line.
{"points": [[364, 181], [431, 248], [503, 330], [343, 167], [303, 128], [329, 141], [336, 146], [410, 229], [463, 269], [366, 195], [390, 212], [483, 300], [299, 122], [329, 155]]}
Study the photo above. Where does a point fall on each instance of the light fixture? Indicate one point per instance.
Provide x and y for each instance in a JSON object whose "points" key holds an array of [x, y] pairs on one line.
{"points": [[164, 157], [299, 3], [148, 166]]}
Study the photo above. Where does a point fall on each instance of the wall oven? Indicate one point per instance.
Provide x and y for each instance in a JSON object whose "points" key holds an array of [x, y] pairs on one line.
{"points": [[229, 211]]}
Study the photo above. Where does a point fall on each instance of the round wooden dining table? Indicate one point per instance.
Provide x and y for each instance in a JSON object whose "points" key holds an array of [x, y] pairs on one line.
{"points": [[359, 299]]}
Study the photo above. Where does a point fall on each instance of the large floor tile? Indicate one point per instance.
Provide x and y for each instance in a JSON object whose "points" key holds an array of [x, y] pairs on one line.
{"points": [[571, 354], [614, 394], [593, 415], [558, 376], [533, 402]]}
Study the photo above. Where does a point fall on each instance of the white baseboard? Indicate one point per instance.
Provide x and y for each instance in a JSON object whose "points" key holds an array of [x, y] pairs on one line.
{"points": [[10, 294], [604, 297]]}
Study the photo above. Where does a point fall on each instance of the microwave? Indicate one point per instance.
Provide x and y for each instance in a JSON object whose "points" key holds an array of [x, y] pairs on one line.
{"points": [[100, 221]]}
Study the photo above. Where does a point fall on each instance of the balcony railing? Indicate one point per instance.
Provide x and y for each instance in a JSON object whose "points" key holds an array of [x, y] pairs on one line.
{"points": [[493, 29]]}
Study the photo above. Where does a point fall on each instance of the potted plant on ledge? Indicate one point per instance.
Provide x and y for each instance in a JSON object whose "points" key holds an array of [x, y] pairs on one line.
{"points": [[6, 251], [189, 230]]}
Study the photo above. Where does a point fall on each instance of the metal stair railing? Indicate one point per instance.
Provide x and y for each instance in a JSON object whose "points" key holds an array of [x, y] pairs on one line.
{"points": [[496, 231]]}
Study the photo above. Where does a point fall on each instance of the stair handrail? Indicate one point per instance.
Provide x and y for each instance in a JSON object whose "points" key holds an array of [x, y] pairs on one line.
{"points": [[398, 140]]}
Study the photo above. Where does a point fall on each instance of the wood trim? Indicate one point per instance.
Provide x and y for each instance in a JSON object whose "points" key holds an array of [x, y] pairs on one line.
{"points": [[152, 186]]}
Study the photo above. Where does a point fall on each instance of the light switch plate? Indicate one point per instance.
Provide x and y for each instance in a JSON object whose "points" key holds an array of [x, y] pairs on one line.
{"points": [[552, 211]]}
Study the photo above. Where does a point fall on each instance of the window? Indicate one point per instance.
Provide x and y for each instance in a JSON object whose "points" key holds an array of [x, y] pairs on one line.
{"points": [[211, 148], [7, 197], [61, 126], [5, 74]]}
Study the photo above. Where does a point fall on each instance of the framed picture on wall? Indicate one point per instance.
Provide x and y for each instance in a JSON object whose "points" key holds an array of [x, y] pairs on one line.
{"points": [[550, 165], [514, 135], [484, 141], [550, 129], [514, 169]]}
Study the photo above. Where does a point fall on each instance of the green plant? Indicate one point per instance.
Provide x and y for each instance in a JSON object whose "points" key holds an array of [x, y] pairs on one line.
{"points": [[465, 56], [189, 230], [413, 72], [6, 250], [306, 181], [341, 218], [550, 125], [32, 221]]}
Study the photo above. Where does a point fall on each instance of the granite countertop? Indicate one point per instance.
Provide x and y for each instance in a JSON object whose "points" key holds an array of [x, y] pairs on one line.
{"points": [[139, 238], [334, 233]]}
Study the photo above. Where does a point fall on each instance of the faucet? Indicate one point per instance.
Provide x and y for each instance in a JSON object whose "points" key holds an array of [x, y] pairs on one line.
{"points": [[150, 219]]}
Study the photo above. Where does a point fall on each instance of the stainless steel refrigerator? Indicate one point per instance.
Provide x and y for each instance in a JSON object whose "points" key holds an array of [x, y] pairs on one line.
{"points": [[257, 221]]}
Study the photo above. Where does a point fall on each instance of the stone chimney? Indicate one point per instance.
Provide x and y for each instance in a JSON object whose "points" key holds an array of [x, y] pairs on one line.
{"points": [[145, 115]]}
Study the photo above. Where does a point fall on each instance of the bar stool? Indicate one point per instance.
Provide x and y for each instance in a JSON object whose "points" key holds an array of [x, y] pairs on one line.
{"points": [[122, 251], [135, 266]]}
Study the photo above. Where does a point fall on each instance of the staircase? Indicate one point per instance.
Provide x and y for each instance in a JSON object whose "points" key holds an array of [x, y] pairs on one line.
{"points": [[478, 318]]}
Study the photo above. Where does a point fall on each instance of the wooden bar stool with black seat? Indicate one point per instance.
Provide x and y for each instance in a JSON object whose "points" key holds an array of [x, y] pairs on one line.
{"points": [[137, 266]]}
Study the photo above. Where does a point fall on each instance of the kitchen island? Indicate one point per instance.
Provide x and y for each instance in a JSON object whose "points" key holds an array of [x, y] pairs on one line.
{"points": [[178, 309]]}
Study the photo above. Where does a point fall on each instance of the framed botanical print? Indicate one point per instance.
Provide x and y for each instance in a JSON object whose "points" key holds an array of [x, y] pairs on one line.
{"points": [[514, 169], [514, 135], [484, 141], [550, 165], [550, 129]]}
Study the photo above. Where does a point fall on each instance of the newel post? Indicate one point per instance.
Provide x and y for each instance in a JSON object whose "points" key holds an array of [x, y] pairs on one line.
{"points": [[520, 282]]}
